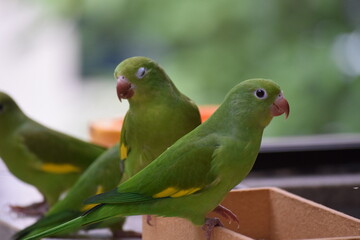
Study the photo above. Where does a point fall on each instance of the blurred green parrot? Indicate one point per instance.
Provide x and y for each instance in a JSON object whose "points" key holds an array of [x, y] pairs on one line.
{"points": [[193, 176], [158, 116], [49, 160]]}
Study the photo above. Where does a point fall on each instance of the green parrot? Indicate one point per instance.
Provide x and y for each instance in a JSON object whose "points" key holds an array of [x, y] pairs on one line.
{"points": [[193, 176], [158, 115], [49, 160]]}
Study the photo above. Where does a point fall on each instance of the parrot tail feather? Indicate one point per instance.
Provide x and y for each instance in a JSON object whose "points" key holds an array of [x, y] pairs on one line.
{"points": [[96, 214], [73, 224], [46, 222]]}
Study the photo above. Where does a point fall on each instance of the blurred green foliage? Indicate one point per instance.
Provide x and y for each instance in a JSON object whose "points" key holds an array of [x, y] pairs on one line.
{"points": [[209, 46]]}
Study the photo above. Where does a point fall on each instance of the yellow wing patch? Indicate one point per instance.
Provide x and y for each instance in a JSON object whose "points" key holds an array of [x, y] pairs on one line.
{"points": [[123, 152], [87, 207], [59, 168], [166, 192], [185, 192], [174, 192]]}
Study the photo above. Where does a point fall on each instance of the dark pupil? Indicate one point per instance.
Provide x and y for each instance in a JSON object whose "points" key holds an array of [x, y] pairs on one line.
{"points": [[1, 108], [260, 93]]}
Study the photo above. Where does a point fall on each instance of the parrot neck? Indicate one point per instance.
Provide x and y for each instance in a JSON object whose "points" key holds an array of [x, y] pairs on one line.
{"points": [[10, 123], [141, 106], [234, 123], [141, 101]]}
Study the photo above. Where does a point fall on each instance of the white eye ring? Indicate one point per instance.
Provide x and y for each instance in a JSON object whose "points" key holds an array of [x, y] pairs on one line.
{"points": [[141, 72], [260, 93]]}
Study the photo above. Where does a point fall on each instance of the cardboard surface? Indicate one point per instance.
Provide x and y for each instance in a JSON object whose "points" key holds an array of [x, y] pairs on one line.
{"points": [[264, 213]]}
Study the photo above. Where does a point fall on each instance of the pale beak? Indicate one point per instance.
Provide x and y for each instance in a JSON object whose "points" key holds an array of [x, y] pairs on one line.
{"points": [[124, 88], [280, 106]]}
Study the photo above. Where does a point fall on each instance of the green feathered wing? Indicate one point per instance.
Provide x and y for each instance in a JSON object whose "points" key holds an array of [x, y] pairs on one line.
{"points": [[50, 146], [165, 178], [47, 159]]}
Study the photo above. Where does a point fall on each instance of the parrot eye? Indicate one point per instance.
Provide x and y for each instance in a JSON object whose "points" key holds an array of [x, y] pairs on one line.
{"points": [[1, 108], [260, 93], [141, 72]]}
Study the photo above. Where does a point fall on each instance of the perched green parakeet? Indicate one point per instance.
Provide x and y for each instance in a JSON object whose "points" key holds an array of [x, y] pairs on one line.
{"points": [[193, 176], [49, 160], [158, 115]]}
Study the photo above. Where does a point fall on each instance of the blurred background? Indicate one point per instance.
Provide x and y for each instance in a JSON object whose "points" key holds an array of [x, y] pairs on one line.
{"points": [[57, 57]]}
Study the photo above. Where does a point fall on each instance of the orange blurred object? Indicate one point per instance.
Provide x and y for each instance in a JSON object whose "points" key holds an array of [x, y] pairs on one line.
{"points": [[107, 132], [206, 111]]}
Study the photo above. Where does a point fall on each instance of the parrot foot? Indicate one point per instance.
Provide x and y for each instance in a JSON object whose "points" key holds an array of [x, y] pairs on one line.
{"points": [[33, 210], [209, 225], [227, 214], [120, 234], [148, 220]]}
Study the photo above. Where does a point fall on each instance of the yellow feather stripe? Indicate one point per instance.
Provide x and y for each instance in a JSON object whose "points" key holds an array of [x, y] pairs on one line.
{"points": [[123, 152], [59, 168], [166, 192], [185, 192], [99, 190], [174, 192]]}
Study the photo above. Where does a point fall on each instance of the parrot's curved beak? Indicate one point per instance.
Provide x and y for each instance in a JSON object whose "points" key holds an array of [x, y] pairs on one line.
{"points": [[280, 106], [124, 88]]}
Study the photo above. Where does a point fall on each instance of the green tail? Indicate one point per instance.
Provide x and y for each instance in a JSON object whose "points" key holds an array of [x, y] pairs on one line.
{"points": [[98, 213], [68, 226], [45, 223]]}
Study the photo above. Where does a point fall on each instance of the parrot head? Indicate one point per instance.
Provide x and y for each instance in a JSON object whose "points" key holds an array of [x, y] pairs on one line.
{"points": [[10, 112], [139, 76], [260, 100]]}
